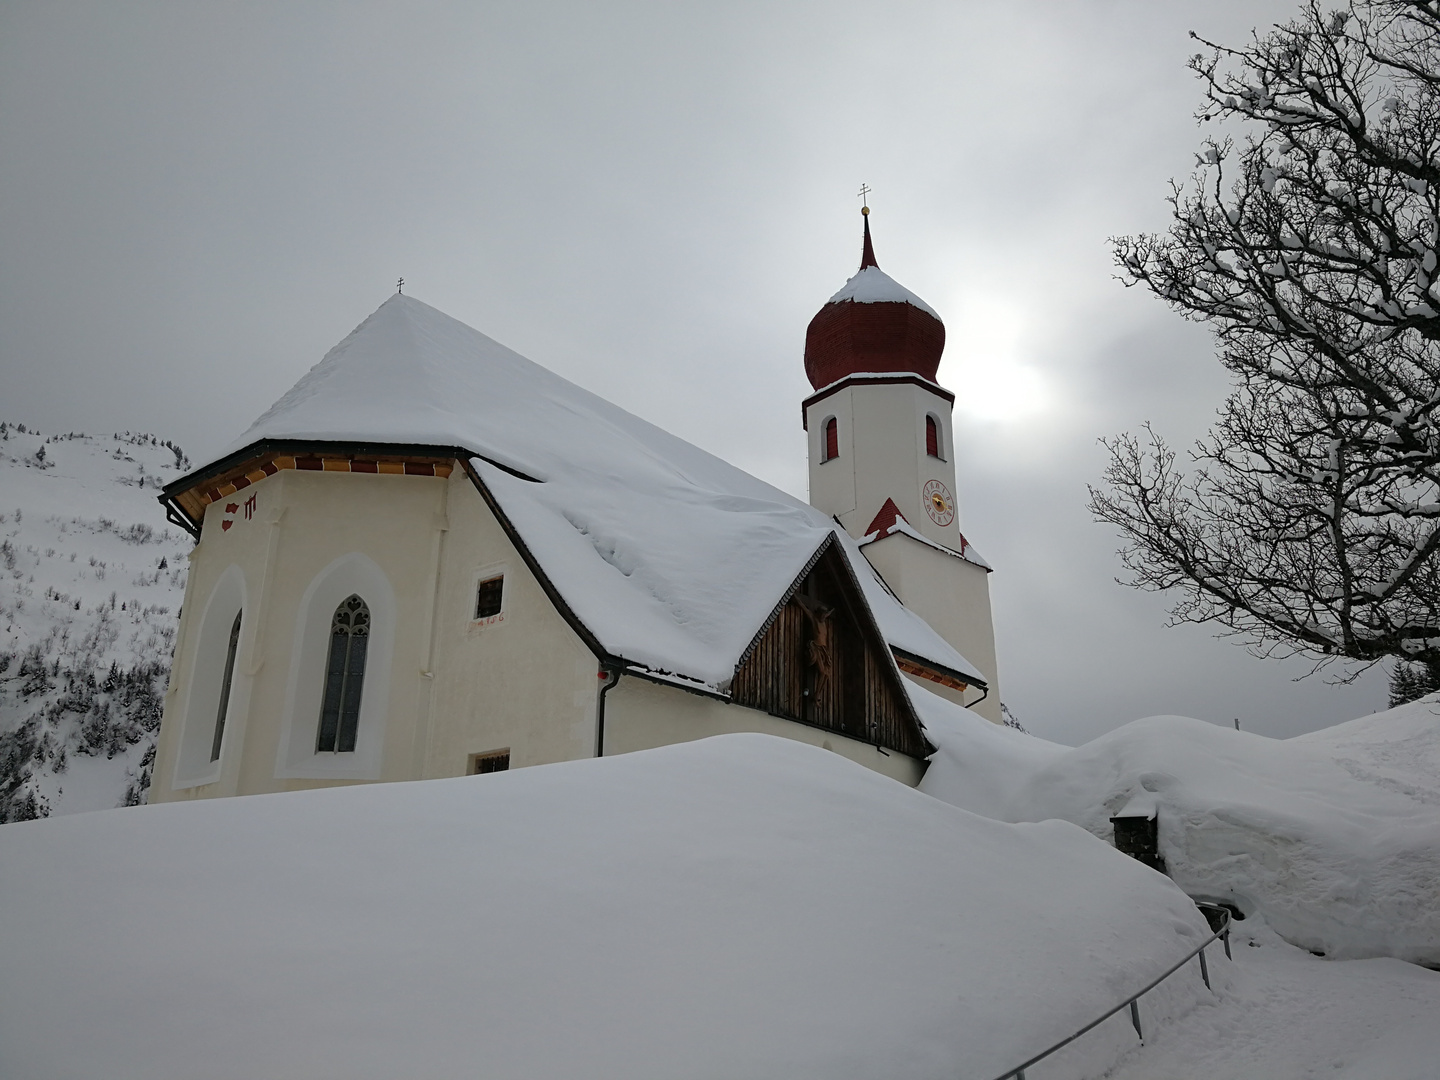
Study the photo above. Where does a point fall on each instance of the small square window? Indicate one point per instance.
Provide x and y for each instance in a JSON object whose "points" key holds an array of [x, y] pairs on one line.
{"points": [[489, 597], [494, 761]]}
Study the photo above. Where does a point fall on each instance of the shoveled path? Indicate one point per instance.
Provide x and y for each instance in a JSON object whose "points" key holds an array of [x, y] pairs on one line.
{"points": [[1288, 1015]]}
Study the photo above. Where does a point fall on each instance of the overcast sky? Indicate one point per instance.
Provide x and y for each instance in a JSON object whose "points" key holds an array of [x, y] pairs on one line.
{"points": [[198, 200]]}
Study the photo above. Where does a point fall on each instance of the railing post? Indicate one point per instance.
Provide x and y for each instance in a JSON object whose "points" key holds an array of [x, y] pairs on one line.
{"points": [[1134, 1002]]}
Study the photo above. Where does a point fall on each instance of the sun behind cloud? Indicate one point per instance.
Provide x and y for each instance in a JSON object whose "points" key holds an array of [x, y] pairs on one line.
{"points": [[987, 363]]}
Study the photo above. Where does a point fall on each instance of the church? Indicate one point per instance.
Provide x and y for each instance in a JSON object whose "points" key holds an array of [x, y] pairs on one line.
{"points": [[433, 557]]}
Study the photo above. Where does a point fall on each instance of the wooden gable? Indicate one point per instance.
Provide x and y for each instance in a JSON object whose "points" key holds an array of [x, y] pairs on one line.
{"points": [[821, 660]]}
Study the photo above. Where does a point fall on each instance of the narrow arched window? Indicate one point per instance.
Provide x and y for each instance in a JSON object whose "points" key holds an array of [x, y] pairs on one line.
{"points": [[344, 677], [832, 439], [225, 690], [932, 437]]}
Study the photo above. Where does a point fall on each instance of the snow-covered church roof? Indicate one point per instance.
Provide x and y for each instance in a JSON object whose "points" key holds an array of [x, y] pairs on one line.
{"points": [[670, 557]]}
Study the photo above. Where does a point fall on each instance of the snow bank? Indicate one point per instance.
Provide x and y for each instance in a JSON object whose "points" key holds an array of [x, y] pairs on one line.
{"points": [[670, 556], [741, 907], [1334, 837]]}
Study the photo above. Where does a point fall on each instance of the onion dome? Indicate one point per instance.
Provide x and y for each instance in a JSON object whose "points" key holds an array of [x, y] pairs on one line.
{"points": [[873, 324]]}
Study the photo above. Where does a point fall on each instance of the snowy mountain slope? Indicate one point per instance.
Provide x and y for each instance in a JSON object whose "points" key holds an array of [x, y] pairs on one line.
{"points": [[1332, 837], [91, 581], [743, 906]]}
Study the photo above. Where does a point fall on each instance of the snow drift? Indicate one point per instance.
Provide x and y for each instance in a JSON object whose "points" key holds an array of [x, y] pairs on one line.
{"points": [[742, 907], [1334, 837]]}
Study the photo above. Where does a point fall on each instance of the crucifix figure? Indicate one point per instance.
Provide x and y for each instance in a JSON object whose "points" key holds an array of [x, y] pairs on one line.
{"points": [[864, 193], [818, 649]]}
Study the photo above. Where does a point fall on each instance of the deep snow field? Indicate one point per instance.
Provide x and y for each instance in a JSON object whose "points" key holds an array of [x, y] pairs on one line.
{"points": [[736, 907], [744, 906], [1329, 843], [1333, 837]]}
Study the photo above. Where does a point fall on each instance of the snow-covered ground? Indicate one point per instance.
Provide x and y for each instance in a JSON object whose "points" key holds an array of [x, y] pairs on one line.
{"points": [[1288, 1015], [1332, 837], [738, 907], [91, 581]]}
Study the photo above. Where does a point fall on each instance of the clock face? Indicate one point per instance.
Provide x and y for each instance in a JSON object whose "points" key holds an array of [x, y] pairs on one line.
{"points": [[939, 503]]}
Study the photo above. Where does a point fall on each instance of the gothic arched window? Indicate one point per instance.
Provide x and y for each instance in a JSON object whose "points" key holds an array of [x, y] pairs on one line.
{"points": [[225, 681], [344, 677], [832, 439], [932, 437]]}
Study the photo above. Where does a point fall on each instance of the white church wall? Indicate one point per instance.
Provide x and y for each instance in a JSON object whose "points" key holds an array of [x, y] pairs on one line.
{"points": [[353, 573], [441, 685], [522, 681], [240, 549], [198, 711], [832, 481], [298, 537], [883, 456], [949, 593], [641, 714]]}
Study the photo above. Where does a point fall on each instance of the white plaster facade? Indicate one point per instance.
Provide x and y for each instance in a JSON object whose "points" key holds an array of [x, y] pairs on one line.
{"points": [[440, 685], [881, 427], [953, 596], [640, 715]]}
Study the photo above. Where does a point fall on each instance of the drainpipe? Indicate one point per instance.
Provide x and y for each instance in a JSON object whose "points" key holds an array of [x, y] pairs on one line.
{"points": [[610, 673], [979, 699]]}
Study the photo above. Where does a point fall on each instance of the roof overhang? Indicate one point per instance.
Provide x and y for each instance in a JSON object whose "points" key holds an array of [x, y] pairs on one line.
{"points": [[914, 664], [185, 499], [870, 379]]}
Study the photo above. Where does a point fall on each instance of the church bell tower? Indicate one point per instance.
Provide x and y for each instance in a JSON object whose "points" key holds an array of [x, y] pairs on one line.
{"points": [[882, 459]]}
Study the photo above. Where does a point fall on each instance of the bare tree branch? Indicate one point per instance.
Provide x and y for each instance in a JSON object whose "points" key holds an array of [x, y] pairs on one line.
{"points": [[1311, 522]]}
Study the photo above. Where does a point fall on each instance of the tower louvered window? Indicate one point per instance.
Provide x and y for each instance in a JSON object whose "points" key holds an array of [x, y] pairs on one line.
{"points": [[932, 437], [344, 677], [832, 439]]}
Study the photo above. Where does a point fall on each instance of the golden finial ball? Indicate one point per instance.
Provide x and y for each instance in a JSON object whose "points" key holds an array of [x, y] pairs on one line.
{"points": [[865, 210]]}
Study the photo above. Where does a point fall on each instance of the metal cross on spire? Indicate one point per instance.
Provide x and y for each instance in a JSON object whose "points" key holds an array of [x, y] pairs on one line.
{"points": [[400, 285], [864, 198]]}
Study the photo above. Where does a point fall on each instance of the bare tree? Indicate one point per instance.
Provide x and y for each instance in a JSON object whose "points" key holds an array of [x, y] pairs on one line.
{"points": [[1308, 240]]}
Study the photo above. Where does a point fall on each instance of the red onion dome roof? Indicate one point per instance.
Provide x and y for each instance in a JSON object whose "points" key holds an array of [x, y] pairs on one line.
{"points": [[873, 324]]}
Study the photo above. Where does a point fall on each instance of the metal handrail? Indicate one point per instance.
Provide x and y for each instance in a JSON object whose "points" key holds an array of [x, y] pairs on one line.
{"points": [[1018, 1073]]}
